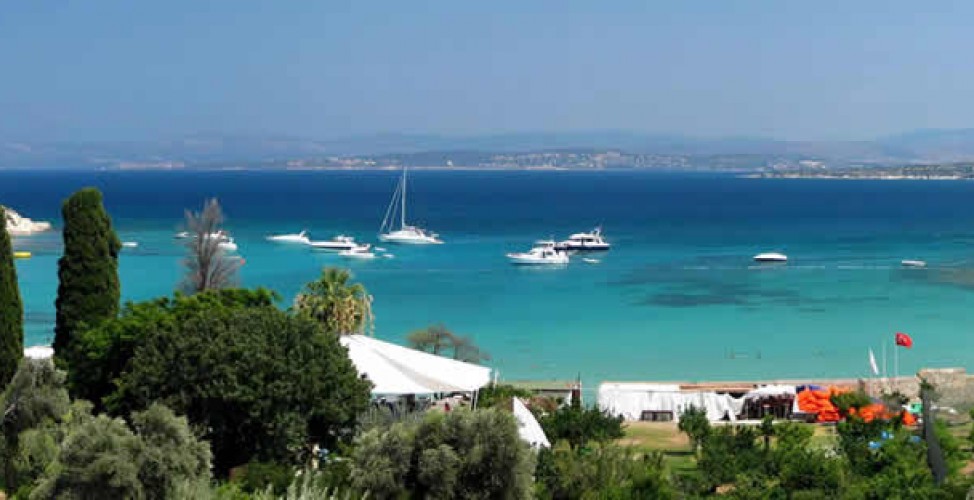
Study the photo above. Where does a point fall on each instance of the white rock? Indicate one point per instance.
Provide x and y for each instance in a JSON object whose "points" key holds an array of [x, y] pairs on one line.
{"points": [[18, 225]]}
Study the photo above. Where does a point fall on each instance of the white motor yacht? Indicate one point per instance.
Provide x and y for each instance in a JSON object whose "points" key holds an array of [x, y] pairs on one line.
{"points": [[336, 244], [405, 233], [543, 253], [358, 252], [301, 238], [913, 263], [130, 244], [184, 235], [584, 242], [227, 244], [770, 257]]}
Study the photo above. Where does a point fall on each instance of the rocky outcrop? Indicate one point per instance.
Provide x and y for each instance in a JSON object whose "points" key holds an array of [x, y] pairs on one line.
{"points": [[18, 225]]}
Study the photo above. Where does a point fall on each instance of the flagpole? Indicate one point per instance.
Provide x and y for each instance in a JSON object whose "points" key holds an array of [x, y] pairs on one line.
{"points": [[896, 367], [885, 366]]}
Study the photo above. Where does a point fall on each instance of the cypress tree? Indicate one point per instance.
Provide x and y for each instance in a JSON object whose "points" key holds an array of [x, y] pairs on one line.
{"points": [[11, 309], [88, 288]]}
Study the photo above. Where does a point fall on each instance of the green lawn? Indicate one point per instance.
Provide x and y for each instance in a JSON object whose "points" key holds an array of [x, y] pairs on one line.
{"points": [[666, 438]]}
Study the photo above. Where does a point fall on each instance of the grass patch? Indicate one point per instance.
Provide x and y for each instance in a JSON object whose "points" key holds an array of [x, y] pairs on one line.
{"points": [[663, 437]]}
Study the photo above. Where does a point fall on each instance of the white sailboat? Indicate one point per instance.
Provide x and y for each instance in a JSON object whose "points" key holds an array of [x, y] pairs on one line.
{"points": [[405, 233]]}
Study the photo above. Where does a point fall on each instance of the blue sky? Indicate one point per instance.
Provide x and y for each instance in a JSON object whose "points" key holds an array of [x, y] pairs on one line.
{"points": [[126, 70]]}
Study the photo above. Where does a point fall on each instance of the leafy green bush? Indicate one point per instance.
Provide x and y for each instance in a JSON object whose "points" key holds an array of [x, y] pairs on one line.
{"points": [[600, 471], [262, 383], [460, 454], [694, 423], [101, 457], [494, 395], [579, 425], [728, 451], [261, 476]]}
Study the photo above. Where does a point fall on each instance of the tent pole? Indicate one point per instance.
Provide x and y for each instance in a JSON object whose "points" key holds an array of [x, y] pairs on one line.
{"points": [[475, 394]]}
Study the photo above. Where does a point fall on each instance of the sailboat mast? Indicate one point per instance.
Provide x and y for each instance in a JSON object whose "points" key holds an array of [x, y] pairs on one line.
{"points": [[402, 212]]}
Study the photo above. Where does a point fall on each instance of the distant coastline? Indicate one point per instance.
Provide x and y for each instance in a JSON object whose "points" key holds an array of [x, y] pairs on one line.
{"points": [[856, 177]]}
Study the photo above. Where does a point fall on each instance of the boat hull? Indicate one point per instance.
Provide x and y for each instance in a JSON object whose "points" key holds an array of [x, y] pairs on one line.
{"points": [[583, 248], [303, 240], [349, 254], [771, 258], [331, 247], [531, 260], [409, 239]]}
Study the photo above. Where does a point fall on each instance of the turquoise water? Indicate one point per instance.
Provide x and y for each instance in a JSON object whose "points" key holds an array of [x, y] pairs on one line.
{"points": [[677, 298]]}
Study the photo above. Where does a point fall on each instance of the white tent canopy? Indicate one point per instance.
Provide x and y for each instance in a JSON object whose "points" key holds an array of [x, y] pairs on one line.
{"points": [[528, 427], [771, 390], [394, 369], [630, 399]]}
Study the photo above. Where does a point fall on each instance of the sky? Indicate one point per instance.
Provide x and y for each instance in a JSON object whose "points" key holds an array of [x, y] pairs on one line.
{"points": [[122, 70]]}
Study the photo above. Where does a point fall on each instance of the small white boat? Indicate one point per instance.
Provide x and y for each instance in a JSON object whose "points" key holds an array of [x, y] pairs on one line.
{"points": [[913, 263], [336, 244], [405, 234], [185, 235], [591, 261], [543, 253], [130, 244], [358, 252], [219, 235], [771, 257], [227, 245], [584, 242], [301, 238]]}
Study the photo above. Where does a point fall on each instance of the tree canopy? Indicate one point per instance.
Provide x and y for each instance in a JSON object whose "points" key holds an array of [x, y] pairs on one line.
{"points": [[459, 454], [340, 306], [105, 351], [437, 339], [11, 309], [88, 286], [102, 457], [262, 384]]}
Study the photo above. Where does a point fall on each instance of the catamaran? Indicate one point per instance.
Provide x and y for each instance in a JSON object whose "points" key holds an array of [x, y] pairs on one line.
{"points": [[406, 233]]}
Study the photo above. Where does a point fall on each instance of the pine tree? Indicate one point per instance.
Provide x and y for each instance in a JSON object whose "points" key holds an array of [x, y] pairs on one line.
{"points": [[11, 309], [88, 289]]}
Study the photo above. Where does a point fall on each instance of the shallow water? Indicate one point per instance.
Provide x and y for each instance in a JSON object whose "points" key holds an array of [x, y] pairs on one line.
{"points": [[677, 298]]}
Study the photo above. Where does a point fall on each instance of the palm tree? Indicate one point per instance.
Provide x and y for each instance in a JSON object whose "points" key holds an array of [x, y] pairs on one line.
{"points": [[341, 306]]}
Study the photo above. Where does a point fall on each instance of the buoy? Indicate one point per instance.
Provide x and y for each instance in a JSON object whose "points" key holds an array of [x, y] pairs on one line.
{"points": [[21, 255]]}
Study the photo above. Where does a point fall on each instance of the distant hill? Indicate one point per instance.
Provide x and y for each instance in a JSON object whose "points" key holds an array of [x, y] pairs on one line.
{"points": [[933, 145], [203, 150]]}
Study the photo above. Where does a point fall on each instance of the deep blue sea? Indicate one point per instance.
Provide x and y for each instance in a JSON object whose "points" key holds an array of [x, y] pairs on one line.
{"points": [[677, 298]]}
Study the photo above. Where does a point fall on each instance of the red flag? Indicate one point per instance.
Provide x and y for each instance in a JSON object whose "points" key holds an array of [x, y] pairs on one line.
{"points": [[904, 340]]}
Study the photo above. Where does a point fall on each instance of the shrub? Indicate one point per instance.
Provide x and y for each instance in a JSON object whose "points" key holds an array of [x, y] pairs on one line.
{"points": [[579, 425], [460, 454]]}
